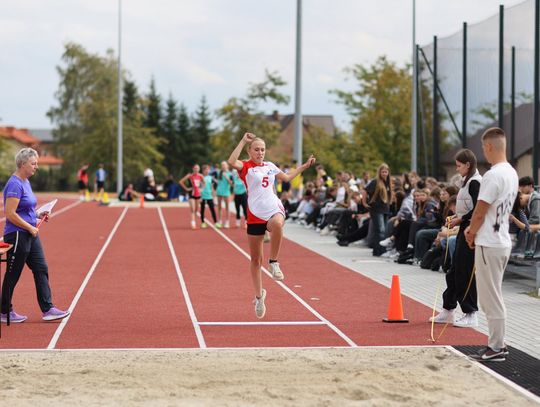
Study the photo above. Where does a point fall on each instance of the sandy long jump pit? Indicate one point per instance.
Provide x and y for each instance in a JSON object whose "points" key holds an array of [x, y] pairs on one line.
{"points": [[273, 377]]}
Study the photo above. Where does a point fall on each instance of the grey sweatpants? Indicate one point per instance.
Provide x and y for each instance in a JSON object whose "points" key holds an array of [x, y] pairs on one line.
{"points": [[490, 263]]}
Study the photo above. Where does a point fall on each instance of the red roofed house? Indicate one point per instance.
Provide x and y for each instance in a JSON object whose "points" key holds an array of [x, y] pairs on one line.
{"points": [[15, 139], [283, 150]]}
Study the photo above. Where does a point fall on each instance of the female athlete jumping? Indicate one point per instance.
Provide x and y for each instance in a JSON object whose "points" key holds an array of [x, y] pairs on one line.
{"points": [[265, 211]]}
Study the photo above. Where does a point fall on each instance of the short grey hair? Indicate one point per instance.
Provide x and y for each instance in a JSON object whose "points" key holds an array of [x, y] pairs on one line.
{"points": [[24, 155]]}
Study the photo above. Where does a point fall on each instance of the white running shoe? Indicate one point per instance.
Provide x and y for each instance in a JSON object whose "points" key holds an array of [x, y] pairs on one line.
{"points": [[388, 243], [227, 224], [469, 320], [444, 317], [237, 223], [277, 274], [325, 231], [260, 308]]}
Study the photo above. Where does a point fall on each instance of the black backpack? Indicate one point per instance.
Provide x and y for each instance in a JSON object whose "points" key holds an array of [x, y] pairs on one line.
{"points": [[430, 256]]}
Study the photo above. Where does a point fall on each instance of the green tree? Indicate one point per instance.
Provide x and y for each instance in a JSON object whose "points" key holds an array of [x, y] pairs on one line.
{"points": [[184, 138], [131, 99], [380, 112], [85, 117], [200, 132], [171, 135], [153, 109], [239, 115]]}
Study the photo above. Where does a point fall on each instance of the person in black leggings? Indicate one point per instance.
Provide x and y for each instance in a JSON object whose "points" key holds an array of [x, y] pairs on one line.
{"points": [[207, 196], [240, 197]]}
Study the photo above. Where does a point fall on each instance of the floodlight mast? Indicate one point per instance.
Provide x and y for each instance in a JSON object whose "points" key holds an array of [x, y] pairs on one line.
{"points": [[120, 147], [297, 153], [414, 110]]}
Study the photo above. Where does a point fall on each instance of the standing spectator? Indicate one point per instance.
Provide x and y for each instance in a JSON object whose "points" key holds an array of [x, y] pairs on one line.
{"points": [[223, 192], [21, 231], [99, 182], [364, 181], [379, 196], [195, 187], [207, 196], [82, 181], [460, 284], [240, 197], [488, 231]]}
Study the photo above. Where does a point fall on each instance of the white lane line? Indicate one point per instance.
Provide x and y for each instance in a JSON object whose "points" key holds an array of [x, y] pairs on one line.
{"points": [[196, 327], [254, 323], [62, 325], [291, 292], [503, 379]]}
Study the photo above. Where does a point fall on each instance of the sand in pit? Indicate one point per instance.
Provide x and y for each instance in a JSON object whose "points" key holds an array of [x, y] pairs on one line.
{"points": [[315, 377]]}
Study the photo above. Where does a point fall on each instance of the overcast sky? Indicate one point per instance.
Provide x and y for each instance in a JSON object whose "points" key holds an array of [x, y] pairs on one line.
{"points": [[214, 47]]}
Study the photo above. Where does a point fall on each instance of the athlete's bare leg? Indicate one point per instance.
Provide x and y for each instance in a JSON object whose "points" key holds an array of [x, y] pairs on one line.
{"points": [[256, 253], [192, 208], [275, 227]]}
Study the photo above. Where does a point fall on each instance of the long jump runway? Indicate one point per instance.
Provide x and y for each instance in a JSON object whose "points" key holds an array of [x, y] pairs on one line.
{"points": [[141, 278]]}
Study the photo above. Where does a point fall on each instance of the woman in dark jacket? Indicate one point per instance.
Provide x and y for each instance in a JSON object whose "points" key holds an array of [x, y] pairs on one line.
{"points": [[379, 196], [460, 283]]}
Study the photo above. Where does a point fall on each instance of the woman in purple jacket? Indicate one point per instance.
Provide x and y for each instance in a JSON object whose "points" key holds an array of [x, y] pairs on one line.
{"points": [[21, 231]]}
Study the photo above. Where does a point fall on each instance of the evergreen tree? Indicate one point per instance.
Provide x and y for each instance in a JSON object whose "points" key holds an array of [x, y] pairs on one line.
{"points": [[85, 118], [201, 132], [170, 134], [153, 109], [185, 160], [131, 100]]}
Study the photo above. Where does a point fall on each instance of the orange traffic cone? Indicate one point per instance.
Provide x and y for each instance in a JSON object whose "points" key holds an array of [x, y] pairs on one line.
{"points": [[395, 308], [142, 201]]}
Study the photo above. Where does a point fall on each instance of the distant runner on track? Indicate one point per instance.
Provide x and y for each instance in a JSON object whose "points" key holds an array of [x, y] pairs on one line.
{"points": [[196, 186], [265, 210]]}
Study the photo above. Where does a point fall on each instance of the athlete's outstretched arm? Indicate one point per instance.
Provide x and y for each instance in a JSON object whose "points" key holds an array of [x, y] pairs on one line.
{"points": [[233, 159], [292, 174]]}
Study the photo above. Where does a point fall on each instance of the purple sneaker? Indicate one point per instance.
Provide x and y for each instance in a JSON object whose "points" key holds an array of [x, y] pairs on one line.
{"points": [[54, 314], [13, 318]]}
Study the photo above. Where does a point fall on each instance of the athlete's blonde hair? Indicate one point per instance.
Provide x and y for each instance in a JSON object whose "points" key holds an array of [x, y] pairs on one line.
{"points": [[253, 141]]}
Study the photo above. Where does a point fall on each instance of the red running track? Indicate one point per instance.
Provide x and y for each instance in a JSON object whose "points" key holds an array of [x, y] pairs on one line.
{"points": [[138, 298]]}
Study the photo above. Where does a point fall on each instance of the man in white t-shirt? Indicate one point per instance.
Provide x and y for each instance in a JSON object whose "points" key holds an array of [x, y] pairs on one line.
{"points": [[489, 232]]}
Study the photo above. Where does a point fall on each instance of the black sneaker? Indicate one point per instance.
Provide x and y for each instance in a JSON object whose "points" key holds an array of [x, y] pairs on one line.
{"points": [[505, 351], [489, 355], [343, 243]]}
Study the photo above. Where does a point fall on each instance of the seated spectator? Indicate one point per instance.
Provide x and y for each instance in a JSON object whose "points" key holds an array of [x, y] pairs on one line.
{"points": [[532, 199], [518, 216], [425, 237], [129, 194], [151, 192], [399, 225], [172, 188], [442, 250]]}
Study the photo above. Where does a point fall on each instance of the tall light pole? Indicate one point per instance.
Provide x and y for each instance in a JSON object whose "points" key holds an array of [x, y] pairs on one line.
{"points": [[120, 147], [414, 126], [297, 153]]}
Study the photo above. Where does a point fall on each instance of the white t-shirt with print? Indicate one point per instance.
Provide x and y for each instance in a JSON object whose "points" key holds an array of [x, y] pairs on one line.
{"points": [[498, 188], [259, 179]]}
